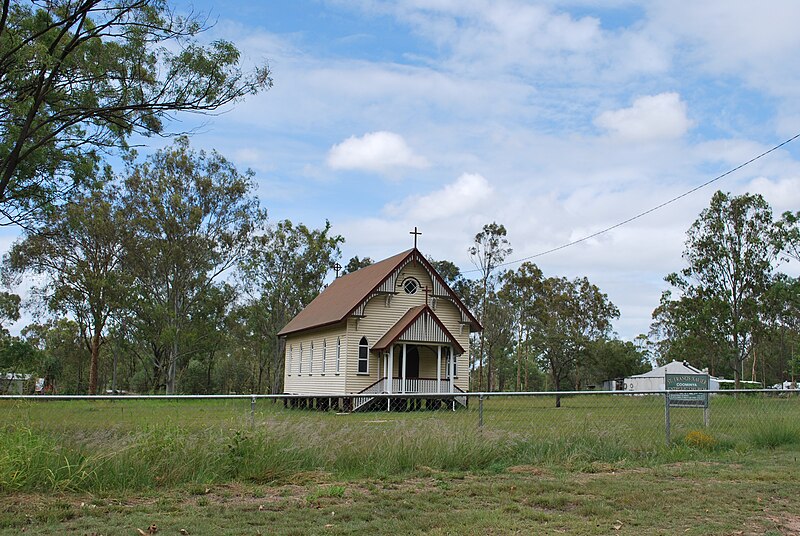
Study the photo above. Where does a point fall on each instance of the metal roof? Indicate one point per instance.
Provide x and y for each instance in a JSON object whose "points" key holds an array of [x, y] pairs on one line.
{"points": [[347, 293]]}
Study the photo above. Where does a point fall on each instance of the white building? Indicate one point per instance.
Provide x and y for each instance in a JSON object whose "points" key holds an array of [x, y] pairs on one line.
{"points": [[654, 380], [394, 327], [12, 383]]}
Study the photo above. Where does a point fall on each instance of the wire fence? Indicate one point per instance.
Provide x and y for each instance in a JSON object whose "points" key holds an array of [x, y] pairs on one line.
{"points": [[645, 420]]}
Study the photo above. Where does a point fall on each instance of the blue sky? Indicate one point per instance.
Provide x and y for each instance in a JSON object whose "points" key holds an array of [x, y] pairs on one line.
{"points": [[556, 119]]}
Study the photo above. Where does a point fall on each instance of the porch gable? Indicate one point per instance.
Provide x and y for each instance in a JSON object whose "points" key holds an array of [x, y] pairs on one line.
{"points": [[418, 324]]}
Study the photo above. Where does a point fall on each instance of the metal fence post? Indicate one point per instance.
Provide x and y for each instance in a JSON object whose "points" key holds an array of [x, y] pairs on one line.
{"points": [[666, 416], [253, 410], [480, 411]]}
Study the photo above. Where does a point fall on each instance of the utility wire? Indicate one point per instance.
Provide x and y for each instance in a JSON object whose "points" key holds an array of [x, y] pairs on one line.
{"points": [[648, 211]]}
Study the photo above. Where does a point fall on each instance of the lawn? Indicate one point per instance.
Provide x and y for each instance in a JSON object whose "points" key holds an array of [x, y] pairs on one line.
{"points": [[598, 465]]}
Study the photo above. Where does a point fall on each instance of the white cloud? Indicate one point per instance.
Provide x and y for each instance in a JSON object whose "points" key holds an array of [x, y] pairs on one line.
{"points": [[513, 90], [248, 155], [650, 118], [454, 200], [756, 42], [375, 151], [782, 194]]}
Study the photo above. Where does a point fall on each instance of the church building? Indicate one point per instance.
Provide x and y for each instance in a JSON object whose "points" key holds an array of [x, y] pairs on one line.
{"points": [[394, 327]]}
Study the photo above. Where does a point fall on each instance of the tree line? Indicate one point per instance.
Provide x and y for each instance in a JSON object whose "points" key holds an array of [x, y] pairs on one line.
{"points": [[172, 275], [169, 279], [166, 276], [731, 310]]}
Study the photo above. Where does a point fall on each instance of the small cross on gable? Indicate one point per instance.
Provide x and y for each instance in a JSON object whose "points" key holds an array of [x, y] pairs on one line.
{"points": [[416, 234]]}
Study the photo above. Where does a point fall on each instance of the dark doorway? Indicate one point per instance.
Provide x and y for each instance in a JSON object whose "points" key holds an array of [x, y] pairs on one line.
{"points": [[412, 362]]}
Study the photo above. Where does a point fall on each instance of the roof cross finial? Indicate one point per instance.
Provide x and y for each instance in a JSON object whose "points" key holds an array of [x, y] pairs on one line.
{"points": [[336, 266], [416, 234]]}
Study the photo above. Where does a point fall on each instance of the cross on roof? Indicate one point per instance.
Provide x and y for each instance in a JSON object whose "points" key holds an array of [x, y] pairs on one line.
{"points": [[336, 266], [416, 234]]}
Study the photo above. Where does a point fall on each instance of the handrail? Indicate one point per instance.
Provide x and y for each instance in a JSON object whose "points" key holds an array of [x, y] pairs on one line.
{"points": [[370, 386]]}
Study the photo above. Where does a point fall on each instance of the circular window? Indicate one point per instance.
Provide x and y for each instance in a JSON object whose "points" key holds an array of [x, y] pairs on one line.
{"points": [[410, 286]]}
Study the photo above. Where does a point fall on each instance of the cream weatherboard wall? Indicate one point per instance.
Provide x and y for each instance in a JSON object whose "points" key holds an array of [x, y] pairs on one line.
{"points": [[318, 375]]}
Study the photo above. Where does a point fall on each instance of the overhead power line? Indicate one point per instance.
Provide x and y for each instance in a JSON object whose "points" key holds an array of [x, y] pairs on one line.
{"points": [[648, 211]]}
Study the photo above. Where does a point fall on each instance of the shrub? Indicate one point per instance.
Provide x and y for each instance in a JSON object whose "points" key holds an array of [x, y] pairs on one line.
{"points": [[700, 440]]}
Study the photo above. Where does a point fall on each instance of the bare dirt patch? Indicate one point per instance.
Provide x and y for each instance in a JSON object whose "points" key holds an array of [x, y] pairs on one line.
{"points": [[527, 470], [788, 524]]}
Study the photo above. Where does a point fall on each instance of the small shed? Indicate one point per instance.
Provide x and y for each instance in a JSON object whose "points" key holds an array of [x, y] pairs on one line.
{"points": [[12, 383], [654, 380]]}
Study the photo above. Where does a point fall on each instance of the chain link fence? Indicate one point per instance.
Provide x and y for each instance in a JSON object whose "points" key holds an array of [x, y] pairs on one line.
{"points": [[640, 421], [137, 442]]}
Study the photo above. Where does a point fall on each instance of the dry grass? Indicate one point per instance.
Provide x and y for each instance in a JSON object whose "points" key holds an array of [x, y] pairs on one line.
{"points": [[749, 495]]}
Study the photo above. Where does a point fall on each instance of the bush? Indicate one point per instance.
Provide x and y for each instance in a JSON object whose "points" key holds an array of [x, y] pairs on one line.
{"points": [[700, 440], [193, 380]]}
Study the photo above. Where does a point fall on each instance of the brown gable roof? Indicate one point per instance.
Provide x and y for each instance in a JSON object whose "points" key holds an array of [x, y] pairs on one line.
{"points": [[336, 302], [406, 321], [346, 293]]}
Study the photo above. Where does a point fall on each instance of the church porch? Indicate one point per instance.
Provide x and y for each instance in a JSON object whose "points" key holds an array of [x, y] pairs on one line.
{"points": [[416, 369]]}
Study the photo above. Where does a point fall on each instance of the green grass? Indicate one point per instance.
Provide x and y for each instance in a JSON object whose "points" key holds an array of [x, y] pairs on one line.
{"points": [[598, 465], [774, 436], [101, 446], [751, 494]]}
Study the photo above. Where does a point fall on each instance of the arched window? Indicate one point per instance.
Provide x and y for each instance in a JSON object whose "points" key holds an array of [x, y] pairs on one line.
{"points": [[338, 354], [363, 356], [324, 355], [300, 364], [311, 359], [289, 367]]}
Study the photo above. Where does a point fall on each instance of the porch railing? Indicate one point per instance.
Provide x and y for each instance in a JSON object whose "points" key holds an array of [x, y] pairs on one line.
{"points": [[420, 385], [411, 386]]}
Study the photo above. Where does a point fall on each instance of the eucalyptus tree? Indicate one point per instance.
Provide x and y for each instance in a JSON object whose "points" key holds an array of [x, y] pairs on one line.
{"points": [[62, 353], [569, 316], [780, 338], [9, 310], [499, 342], [16, 356], [206, 339], [80, 77], [489, 249], [519, 292], [355, 264], [78, 253], [191, 216], [464, 288], [686, 329], [284, 270], [609, 359], [789, 234], [730, 251]]}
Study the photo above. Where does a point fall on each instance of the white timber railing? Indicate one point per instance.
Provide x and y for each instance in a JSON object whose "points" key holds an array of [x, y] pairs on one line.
{"points": [[408, 386]]}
